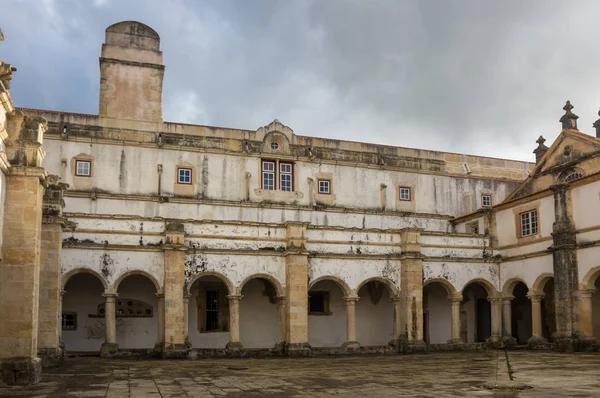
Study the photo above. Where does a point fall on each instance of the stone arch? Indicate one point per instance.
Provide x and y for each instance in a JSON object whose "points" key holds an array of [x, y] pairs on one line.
{"points": [[589, 280], [230, 289], [510, 284], [124, 275], [279, 290], [487, 285], [66, 277], [450, 289], [392, 290], [340, 282], [538, 285]]}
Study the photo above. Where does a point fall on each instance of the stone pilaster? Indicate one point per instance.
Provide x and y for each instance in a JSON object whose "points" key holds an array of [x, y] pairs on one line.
{"points": [[175, 317], [564, 255], [411, 291], [281, 324], [20, 268], [456, 302], [586, 325], [496, 309], [296, 266], [160, 313], [110, 347], [50, 308], [537, 340], [351, 343], [234, 324], [507, 337]]}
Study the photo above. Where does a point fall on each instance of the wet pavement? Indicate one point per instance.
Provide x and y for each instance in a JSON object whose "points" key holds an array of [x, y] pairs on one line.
{"points": [[420, 375]]}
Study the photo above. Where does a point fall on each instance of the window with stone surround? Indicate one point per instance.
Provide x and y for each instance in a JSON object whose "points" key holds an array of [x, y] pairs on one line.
{"points": [[69, 321], [324, 187], [277, 175], [83, 168], [404, 193], [486, 200], [473, 228], [184, 175], [318, 303], [529, 223]]}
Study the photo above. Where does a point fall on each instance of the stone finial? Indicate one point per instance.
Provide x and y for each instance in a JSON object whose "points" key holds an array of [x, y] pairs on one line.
{"points": [[597, 126], [1, 35], [569, 119], [541, 149]]}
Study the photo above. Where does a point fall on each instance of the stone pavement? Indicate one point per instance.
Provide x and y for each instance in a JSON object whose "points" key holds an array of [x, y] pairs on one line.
{"points": [[423, 375]]}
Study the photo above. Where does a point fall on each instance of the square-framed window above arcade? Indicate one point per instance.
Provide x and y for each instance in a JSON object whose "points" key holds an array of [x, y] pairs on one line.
{"points": [[324, 187], [318, 303], [529, 223], [83, 168], [404, 194], [69, 321], [486, 200], [277, 175], [184, 175]]}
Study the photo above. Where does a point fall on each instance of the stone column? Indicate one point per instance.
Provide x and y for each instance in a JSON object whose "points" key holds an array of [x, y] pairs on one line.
{"points": [[20, 268], [411, 282], [507, 337], [296, 266], [50, 314], [351, 343], [281, 321], [174, 287], [234, 324], [456, 302], [397, 327], [564, 256], [537, 338], [186, 314], [60, 306], [110, 346], [586, 325], [496, 307], [160, 313]]}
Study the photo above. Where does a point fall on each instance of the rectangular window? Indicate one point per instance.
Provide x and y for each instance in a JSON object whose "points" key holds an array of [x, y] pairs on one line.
{"points": [[318, 303], [83, 168], [529, 223], [486, 200], [285, 172], [324, 186], [69, 321], [268, 175], [212, 310], [404, 193], [184, 175], [473, 228]]}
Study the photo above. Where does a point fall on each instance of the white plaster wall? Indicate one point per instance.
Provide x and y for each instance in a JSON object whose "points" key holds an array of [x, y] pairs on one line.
{"points": [[507, 230], [328, 330], [454, 240], [114, 263], [527, 270], [587, 259], [83, 294], [462, 227], [460, 274], [258, 317], [236, 268], [138, 332], [225, 230], [374, 322], [584, 198], [439, 312], [354, 271], [118, 225]]}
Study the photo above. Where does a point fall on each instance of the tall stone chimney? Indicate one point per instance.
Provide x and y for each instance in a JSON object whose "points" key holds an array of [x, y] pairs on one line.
{"points": [[131, 73]]}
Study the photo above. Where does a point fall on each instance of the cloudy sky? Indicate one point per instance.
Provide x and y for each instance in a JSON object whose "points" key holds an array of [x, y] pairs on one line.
{"points": [[469, 76]]}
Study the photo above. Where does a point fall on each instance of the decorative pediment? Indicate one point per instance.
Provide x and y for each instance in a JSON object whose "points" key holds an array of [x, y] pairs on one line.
{"points": [[275, 126]]}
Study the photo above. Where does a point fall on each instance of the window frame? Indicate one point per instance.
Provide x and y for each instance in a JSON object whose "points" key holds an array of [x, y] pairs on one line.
{"points": [[272, 172], [491, 200], [326, 303], [62, 322], [409, 189], [277, 174], [286, 173], [189, 169], [533, 225], [324, 180], [89, 167]]}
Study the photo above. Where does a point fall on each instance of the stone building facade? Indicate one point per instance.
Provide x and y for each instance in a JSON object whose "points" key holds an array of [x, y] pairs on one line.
{"points": [[122, 233]]}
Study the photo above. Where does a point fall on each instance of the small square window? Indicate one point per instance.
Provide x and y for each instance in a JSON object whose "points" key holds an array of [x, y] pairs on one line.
{"points": [[184, 176], [529, 223], [486, 200], [324, 186], [69, 321], [405, 193], [318, 303], [473, 228], [83, 168]]}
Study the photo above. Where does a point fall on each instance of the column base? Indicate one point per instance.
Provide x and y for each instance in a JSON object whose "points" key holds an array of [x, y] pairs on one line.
{"points": [[297, 350], [455, 341], [20, 371], [573, 343], [234, 346], [538, 343], [280, 347], [51, 357], [109, 350], [174, 351], [494, 342], [351, 346], [405, 346], [508, 341]]}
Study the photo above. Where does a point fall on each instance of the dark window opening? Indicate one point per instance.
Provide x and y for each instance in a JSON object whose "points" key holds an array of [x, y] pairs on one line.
{"points": [[212, 310]]}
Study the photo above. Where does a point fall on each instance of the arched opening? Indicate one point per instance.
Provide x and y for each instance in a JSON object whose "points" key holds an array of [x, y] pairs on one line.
{"points": [[136, 309], [374, 315], [83, 328], [326, 314], [259, 314], [548, 312], [596, 309], [437, 314], [476, 314], [208, 313], [520, 313]]}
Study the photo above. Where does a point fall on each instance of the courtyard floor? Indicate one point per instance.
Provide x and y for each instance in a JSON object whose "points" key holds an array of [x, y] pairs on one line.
{"points": [[418, 375]]}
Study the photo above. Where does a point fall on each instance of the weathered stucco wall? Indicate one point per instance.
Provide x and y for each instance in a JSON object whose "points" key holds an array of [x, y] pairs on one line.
{"points": [[354, 272], [459, 274]]}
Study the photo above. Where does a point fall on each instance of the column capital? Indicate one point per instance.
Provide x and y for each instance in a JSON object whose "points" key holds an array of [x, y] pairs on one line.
{"points": [[233, 297], [535, 298], [396, 299], [63, 292], [110, 296], [280, 299], [455, 299], [351, 300], [494, 299], [586, 293], [159, 295], [507, 299]]}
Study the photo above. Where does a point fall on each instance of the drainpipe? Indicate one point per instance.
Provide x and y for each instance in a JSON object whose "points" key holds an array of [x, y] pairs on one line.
{"points": [[159, 169]]}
